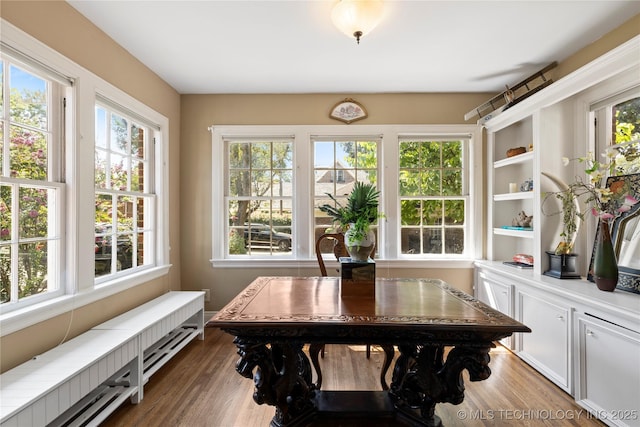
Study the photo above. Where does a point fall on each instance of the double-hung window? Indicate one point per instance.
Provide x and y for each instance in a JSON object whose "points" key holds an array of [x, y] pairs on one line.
{"points": [[125, 202], [258, 196], [271, 188], [433, 195], [338, 163], [31, 188]]}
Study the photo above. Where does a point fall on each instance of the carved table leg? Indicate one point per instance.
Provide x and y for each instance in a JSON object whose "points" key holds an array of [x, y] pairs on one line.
{"points": [[388, 358], [421, 378], [282, 378], [314, 350]]}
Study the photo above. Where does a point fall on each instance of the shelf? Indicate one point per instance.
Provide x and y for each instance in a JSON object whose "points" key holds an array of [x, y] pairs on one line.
{"points": [[520, 158], [527, 234], [519, 195]]}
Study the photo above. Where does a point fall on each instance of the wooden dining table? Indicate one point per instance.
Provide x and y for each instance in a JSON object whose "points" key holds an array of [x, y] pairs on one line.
{"points": [[438, 330]]}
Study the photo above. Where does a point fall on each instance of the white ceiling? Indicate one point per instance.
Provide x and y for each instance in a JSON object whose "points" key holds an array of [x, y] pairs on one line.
{"points": [[292, 46]]}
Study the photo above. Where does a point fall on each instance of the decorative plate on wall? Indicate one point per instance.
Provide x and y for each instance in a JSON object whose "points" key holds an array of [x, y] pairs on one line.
{"points": [[348, 111]]}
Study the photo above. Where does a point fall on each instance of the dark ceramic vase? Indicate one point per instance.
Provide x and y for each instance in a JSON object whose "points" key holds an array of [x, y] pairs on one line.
{"points": [[605, 264]]}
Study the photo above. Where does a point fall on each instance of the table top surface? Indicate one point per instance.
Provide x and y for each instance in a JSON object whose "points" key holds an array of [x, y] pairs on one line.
{"points": [[280, 302]]}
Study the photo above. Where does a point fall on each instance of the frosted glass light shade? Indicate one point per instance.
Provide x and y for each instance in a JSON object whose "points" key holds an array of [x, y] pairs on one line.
{"points": [[356, 18]]}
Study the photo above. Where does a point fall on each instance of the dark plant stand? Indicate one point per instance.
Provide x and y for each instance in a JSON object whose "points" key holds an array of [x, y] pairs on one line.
{"points": [[562, 266]]}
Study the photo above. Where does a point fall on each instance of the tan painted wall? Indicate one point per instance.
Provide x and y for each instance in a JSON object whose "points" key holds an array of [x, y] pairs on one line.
{"points": [[623, 33], [59, 26]]}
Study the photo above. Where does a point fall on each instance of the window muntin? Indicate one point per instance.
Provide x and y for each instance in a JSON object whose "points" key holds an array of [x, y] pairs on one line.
{"points": [[31, 191], [433, 196], [259, 197], [338, 165], [125, 202]]}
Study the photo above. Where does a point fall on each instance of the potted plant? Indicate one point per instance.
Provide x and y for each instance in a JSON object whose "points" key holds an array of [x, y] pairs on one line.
{"points": [[570, 211], [562, 261], [355, 219]]}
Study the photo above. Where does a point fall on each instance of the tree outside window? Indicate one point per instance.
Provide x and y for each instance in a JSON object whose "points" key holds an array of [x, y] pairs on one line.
{"points": [[124, 200], [29, 237], [432, 197], [626, 134], [259, 198]]}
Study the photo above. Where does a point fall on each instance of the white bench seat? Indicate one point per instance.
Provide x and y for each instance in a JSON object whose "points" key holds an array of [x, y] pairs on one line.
{"points": [[39, 390], [106, 360]]}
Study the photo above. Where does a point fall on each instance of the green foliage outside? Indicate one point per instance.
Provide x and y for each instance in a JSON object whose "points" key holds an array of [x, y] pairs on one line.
{"points": [[28, 160], [431, 169], [260, 181], [627, 129], [120, 166]]}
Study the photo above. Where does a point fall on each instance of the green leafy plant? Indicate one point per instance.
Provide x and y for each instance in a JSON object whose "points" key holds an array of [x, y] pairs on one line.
{"points": [[360, 211]]}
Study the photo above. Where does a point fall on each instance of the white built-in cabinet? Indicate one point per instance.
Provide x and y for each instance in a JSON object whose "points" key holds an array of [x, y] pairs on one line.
{"points": [[608, 351], [548, 349], [584, 340]]}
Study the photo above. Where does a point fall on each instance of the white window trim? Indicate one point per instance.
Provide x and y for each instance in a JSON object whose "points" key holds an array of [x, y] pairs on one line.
{"points": [[78, 279], [303, 189]]}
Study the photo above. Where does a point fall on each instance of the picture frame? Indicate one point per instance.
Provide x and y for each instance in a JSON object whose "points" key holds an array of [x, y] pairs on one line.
{"points": [[348, 111]]}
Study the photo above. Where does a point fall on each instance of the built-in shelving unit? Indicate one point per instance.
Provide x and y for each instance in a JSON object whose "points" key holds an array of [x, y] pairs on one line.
{"points": [[574, 325], [505, 173]]}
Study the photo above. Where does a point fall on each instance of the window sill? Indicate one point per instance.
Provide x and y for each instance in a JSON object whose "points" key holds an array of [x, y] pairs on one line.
{"points": [[16, 320], [313, 263]]}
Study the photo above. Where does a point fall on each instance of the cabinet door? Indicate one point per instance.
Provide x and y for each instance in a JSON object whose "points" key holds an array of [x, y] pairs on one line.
{"points": [[547, 347], [497, 295], [608, 371]]}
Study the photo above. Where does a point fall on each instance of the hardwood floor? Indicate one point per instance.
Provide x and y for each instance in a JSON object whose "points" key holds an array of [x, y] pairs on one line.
{"points": [[200, 387]]}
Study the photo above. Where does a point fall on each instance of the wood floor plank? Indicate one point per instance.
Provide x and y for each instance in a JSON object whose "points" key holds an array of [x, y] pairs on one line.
{"points": [[200, 388]]}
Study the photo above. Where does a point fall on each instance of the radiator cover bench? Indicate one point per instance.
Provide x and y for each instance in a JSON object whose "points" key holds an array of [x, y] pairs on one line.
{"points": [[82, 381]]}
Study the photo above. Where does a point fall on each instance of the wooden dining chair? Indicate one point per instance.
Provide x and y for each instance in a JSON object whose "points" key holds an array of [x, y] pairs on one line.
{"points": [[340, 250]]}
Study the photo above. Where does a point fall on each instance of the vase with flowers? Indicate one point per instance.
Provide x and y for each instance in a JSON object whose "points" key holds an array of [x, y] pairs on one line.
{"points": [[606, 203]]}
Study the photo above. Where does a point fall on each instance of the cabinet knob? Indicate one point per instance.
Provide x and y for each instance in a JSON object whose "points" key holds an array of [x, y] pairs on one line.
{"points": [[561, 318], [590, 333]]}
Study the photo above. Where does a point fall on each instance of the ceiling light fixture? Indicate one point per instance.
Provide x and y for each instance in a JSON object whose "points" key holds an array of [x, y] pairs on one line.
{"points": [[356, 18]]}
